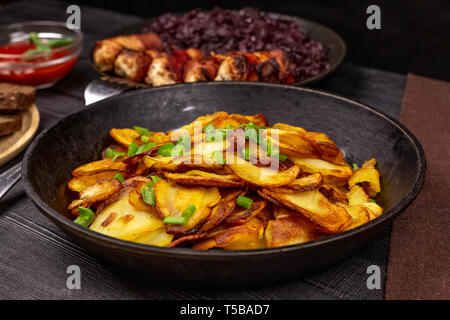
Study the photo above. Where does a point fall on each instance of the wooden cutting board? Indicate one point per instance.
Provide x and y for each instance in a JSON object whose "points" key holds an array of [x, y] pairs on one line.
{"points": [[13, 144]]}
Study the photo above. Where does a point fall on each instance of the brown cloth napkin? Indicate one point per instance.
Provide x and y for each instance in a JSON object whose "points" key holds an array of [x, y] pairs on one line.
{"points": [[419, 259]]}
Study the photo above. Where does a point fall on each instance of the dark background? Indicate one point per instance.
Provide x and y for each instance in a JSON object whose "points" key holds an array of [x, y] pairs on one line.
{"points": [[414, 35]]}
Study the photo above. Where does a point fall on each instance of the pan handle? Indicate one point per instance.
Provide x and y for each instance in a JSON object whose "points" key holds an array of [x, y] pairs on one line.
{"points": [[105, 87], [9, 178]]}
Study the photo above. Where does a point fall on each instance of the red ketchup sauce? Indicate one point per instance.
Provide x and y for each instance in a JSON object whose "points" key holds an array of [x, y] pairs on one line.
{"points": [[33, 75]]}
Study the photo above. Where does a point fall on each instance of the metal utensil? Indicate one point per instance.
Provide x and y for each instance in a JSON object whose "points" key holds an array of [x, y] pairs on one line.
{"points": [[103, 88], [9, 178]]}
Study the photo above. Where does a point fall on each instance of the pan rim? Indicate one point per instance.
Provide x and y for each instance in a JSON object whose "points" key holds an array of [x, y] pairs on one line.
{"points": [[189, 253]]}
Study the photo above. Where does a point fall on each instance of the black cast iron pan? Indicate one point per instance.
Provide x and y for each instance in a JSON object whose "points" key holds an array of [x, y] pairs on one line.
{"points": [[334, 45], [360, 131]]}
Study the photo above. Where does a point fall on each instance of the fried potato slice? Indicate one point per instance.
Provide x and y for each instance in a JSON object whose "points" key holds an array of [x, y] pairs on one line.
{"points": [[181, 164], [172, 199], [332, 173], [264, 177], [99, 166], [289, 228], [79, 183], [221, 211], [188, 238], [325, 147], [327, 216], [368, 177], [204, 121], [287, 127], [290, 142], [123, 221], [97, 192], [359, 214], [124, 137], [374, 209], [307, 183], [357, 196], [205, 179], [241, 215], [158, 238], [246, 236], [258, 119]]}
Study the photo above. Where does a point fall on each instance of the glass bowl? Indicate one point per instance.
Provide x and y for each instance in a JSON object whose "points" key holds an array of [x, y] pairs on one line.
{"points": [[39, 69]]}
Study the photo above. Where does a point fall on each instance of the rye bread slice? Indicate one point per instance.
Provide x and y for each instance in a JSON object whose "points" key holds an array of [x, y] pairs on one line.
{"points": [[10, 123], [14, 97]]}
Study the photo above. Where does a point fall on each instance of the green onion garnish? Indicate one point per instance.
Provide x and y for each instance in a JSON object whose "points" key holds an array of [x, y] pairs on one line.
{"points": [[282, 157], [249, 125], [145, 147], [166, 149], [114, 154], [178, 150], [145, 139], [252, 134], [244, 202], [85, 218], [42, 47], [246, 153], [372, 200], [148, 194], [59, 42], [132, 148], [175, 220], [142, 131], [209, 128], [119, 177], [218, 157], [185, 141], [189, 211], [355, 167], [155, 179]]}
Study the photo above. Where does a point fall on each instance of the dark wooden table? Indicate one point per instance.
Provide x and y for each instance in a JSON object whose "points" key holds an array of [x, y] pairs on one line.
{"points": [[35, 254]]}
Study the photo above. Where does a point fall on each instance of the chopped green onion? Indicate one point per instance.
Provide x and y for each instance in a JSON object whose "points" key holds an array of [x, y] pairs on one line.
{"points": [[145, 139], [132, 148], [218, 157], [175, 220], [250, 125], [85, 218], [59, 42], [45, 46], [148, 194], [166, 149], [145, 147], [189, 211], [271, 150], [244, 202], [372, 200], [282, 157], [114, 154], [229, 126], [185, 141], [155, 179], [178, 150], [252, 134], [246, 153], [209, 128], [119, 177], [142, 131], [355, 167]]}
